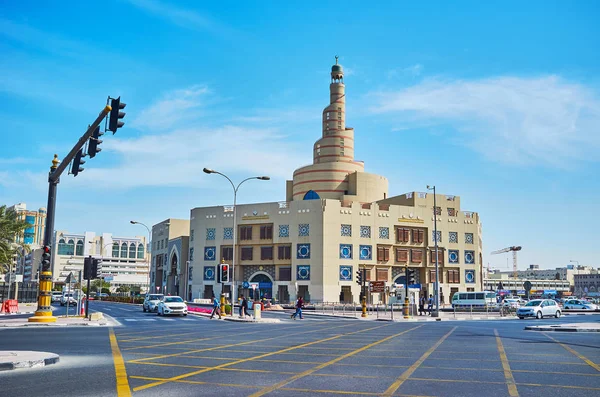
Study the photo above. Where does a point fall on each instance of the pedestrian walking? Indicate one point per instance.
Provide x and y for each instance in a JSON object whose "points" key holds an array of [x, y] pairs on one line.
{"points": [[244, 307], [422, 305], [299, 304], [216, 308], [430, 304]]}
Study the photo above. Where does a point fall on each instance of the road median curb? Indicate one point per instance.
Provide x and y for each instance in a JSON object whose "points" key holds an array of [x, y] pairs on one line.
{"points": [[10, 360], [561, 329]]}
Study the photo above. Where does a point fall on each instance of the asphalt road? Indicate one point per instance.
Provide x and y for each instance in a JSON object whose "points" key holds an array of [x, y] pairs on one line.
{"points": [[194, 356]]}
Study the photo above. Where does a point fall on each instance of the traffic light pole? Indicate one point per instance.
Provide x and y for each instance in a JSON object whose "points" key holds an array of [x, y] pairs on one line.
{"points": [[43, 313]]}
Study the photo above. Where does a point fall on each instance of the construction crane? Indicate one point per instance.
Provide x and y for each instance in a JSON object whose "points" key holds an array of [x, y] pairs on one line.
{"points": [[514, 250]]}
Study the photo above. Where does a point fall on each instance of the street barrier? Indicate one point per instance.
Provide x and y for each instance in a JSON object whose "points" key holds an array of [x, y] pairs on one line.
{"points": [[10, 306]]}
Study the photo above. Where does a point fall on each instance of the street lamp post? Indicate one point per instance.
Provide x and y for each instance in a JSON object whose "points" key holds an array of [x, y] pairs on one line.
{"points": [[148, 251], [235, 190], [435, 239]]}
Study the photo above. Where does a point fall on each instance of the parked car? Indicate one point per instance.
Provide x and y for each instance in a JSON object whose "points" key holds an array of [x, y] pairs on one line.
{"points": [[539, 308], [56, 296], [172, 305], [580, 304], [151, 302]]}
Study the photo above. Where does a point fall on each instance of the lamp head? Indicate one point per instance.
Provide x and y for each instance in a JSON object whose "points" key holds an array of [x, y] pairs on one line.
{"points": [[133, 222], [264, 178], [208, 170]]}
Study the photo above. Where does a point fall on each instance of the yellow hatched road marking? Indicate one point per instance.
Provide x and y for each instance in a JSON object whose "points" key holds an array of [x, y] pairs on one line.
{"points": [[577, 354], [254, 358], [406, 374], [326, 364], [432, 380], [510, 380], [123, 389], [137, 360]]}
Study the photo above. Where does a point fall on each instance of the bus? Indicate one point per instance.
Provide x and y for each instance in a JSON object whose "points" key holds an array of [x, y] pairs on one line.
{"points": [[474, 299]]}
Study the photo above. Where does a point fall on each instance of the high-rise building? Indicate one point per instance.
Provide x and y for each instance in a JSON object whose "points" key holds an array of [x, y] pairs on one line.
{"points": [[34, 234]]}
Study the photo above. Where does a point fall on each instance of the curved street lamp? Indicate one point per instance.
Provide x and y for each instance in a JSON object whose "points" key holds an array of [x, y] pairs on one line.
{"points": [[235, 190], [147, 250]]}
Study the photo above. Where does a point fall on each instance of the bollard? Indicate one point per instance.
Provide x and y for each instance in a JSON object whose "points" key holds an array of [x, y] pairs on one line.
{"points": [[405, 308], [82, 307], [223, 312], [364, 307]]}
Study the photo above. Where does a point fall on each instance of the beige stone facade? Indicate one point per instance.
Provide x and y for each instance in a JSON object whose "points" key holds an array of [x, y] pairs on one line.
{"points": [[336, 220]]}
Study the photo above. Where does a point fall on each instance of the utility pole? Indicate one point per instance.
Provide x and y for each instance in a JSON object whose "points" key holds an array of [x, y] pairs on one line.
{"points": [[44, 311]]}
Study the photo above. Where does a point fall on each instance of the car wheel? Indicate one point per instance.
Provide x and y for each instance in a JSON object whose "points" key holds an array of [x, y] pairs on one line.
{"points": [[521, 318], [184, 314], [538, 315], [144, 308], [557, 315]]}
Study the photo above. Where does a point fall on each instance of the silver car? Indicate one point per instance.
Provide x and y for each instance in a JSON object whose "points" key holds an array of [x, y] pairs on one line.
{"points": [[539, 308], [151, 302]]}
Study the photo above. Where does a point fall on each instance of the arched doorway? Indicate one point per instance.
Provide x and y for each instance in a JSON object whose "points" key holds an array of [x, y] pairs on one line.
{"points": [[265, 286]]}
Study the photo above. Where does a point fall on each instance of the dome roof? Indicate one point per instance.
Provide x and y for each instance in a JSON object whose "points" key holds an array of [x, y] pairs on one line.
{"points": [[336, 68]]}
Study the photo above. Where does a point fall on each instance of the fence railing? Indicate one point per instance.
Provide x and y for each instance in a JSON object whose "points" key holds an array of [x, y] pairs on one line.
{"points": [[27, 292]]}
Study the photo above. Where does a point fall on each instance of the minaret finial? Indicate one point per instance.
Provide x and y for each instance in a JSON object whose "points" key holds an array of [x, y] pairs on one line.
{"points": [[336, 59]]}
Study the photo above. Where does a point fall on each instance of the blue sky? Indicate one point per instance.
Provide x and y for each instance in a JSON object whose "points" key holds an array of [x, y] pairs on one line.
{"points": [[498, 103]]}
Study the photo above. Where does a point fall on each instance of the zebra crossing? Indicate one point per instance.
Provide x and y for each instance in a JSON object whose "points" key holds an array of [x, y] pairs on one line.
{"points": [[159, 319]]}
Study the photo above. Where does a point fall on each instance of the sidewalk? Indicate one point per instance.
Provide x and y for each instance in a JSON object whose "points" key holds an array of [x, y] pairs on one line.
{"points": [[60, 322], [399, 317], [576, 327], [25, 359], [24, 308]]}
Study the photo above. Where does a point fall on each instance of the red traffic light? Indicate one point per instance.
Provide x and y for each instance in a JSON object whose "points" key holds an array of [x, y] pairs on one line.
{"points": [[46, 249], [225, 268]]}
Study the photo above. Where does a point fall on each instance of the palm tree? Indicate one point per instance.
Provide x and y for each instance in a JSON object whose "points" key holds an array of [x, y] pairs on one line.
{"points": [[11, 227]]}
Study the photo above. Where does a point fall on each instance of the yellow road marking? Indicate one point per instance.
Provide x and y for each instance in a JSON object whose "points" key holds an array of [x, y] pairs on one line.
{"points": [[510, 380], [579, 355], [406, 374], [431, 380], [326, 364], [227, 346], [254, 358], [195, 382], [155, 337], [123, 389], [362, 393]]}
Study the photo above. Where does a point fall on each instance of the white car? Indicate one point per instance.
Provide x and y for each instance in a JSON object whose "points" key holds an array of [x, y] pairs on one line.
{"points": [[68, 298], [172, 305], [56, 296], [580, 304], [151, 302], [513, 303], [539, 308]]}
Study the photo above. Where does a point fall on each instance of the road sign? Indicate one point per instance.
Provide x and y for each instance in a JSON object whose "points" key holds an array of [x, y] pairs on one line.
{"points": [[253, 285], [108, 278], [377, 286], [245, 284], [527, 285]]}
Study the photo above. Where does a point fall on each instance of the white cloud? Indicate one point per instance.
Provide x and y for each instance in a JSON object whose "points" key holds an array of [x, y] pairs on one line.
{"points": [[545, 120], [185, 18], [413, 71], [172, 109]]}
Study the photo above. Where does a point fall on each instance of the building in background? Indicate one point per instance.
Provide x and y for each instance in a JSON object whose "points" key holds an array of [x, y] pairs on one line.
{"points": [[588, 285], [124, 259], [170, 257], [336, 219], [34, 234]]}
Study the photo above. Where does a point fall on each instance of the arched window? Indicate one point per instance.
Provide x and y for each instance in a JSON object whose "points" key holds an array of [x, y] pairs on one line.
{"points": [[311, 195], [79, 248], [115, 252], [132, 251], [62, 247], [71, 247], [124, 250], [141, 251]]}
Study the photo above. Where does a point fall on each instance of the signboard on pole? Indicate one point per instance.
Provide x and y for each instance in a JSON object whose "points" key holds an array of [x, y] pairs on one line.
{"points": [[377, 286], [253, 285]]}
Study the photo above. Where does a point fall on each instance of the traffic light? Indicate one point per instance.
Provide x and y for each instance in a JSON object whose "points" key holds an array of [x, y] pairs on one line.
{"points": [[115, 116], [96, 268], [411, 276], [46, 254], [224, 273], [94, 145], [91, 267], [78, 161], [359, 277]]}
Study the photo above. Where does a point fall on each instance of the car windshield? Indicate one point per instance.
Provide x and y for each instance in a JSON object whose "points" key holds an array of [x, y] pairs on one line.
{"points": [[155, 297], [534, 303], [173, 299]]}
